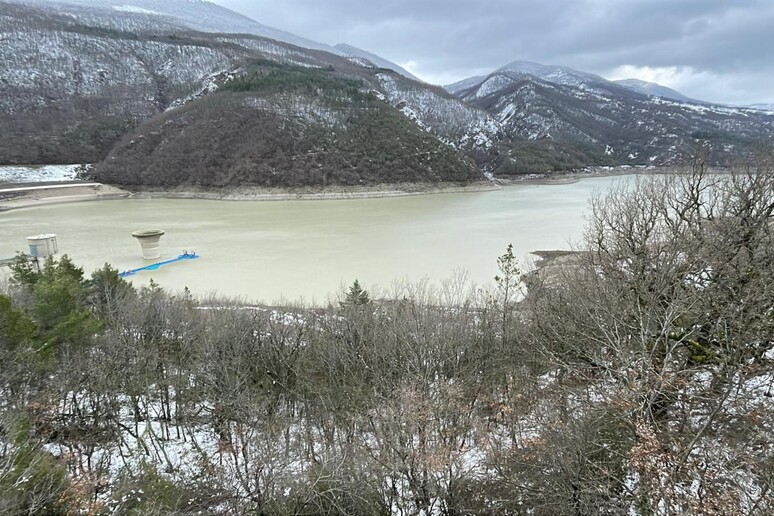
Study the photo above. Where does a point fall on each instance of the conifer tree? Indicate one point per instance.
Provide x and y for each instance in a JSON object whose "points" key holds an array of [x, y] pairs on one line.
{"points": [[356, 296]]}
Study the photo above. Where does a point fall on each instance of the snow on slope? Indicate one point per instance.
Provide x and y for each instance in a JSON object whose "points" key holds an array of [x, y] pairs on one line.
{"points": [[554, 74], [762, 107], [377, 60], [452, 121], [493, 84], [40, 65], [30, 174], [654, 90], [197, 15], [465, 84]]}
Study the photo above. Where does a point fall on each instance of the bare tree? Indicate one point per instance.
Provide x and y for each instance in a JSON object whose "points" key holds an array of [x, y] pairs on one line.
{"points": [[665, 315]]}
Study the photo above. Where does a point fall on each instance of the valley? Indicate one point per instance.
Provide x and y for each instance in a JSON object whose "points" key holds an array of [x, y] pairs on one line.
{"points": [[535, 291]]}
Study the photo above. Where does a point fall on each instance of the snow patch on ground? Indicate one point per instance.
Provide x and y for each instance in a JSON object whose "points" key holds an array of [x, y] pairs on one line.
{"points": [[274, 49], [210, 84], [365, 63], [700, 108], [506, 114], [36, 174], [134, 9], [287, 106], [492, 85]]}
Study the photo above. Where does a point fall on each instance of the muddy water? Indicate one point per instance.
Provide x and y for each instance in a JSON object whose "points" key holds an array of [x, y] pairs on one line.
{"points": [[270, 251]]}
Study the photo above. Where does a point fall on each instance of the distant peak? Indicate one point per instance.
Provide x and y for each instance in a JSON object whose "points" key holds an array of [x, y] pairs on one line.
{"points": [[379, 61], [548, 72], [653, 89]]}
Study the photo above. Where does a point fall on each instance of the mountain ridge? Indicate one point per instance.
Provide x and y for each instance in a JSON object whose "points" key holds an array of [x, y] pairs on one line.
{"points": [[567, 76], [606, 121], [657, 90], [200, 15], [379, 61], [78, 87]]}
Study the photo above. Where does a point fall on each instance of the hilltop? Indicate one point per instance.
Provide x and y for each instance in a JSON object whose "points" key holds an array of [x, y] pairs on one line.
{"points": [[282, 125]]}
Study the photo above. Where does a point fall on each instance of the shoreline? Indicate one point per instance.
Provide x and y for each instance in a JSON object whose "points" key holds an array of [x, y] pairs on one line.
{"points": [[12, 198], [54, 193], [251, 193], [29, 197], [567, 178]]}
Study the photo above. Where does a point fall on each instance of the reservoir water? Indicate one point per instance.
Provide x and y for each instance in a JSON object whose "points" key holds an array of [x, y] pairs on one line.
{"points": [[305, 250]]}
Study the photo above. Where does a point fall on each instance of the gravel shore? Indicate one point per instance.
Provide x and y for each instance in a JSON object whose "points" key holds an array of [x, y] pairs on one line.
{"points": [[30, 195]]}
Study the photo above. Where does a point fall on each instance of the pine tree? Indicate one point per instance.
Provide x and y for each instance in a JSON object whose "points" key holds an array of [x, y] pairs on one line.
{"points": [[356, 296]]}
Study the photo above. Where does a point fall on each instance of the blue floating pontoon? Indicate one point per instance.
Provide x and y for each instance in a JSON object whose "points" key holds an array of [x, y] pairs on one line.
{"points": [[154, 266]]}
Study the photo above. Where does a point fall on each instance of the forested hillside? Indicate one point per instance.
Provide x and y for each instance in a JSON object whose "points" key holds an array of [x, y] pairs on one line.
{"points": [[635, 379], [70, 89], [284, 125], [78, 80]]}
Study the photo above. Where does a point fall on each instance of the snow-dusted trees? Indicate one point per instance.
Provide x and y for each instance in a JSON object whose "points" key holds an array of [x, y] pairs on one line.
{"points": [[665, 324], [634, 378]]}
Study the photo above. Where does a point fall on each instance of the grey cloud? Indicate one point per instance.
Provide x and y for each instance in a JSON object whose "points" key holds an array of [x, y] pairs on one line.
{"points": [[728, 41]]}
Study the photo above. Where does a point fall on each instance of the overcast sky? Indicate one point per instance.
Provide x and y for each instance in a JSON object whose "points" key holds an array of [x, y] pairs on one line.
{"points": [[714, 50]]}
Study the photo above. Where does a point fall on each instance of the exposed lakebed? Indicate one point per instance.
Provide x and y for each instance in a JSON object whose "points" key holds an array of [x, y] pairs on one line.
{"points": [[267, 251]]}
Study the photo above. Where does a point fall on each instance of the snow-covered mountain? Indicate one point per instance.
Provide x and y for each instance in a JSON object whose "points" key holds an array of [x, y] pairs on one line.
{"points": [[605, 121], [517, 71], [562, 75], [459, 125], [198, 15], [554, 74], [460, 86], [653, 89], [75, 81], [379, 61]]}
